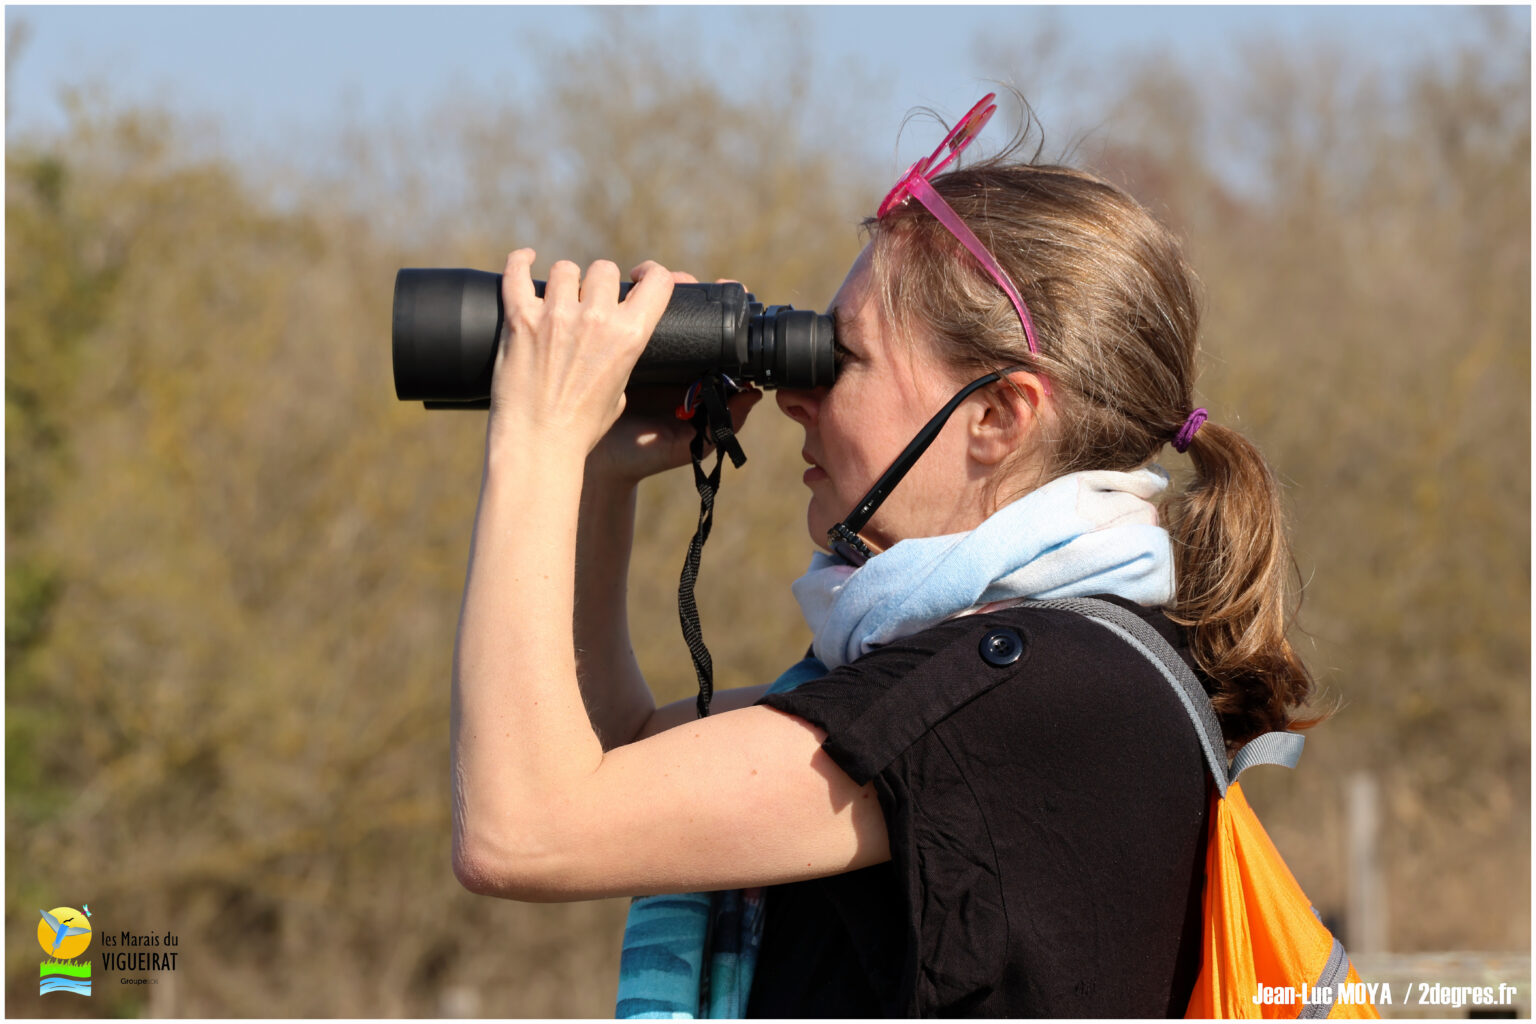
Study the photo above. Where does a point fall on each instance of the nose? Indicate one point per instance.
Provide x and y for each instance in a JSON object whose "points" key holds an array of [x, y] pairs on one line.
{"points": [[800, 404]]}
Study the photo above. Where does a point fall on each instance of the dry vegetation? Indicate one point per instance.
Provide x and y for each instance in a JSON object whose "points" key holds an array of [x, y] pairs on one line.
{"points": [[233, 560]]}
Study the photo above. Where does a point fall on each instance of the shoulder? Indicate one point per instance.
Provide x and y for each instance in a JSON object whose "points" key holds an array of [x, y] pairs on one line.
{"points": [[1016, 671]]}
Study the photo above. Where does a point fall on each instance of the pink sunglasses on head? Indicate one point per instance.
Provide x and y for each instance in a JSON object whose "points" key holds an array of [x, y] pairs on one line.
{"points": [[915, 185]]}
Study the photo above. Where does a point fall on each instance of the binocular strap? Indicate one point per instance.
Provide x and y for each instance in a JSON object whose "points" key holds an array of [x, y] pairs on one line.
{"points": [[711, 424]]}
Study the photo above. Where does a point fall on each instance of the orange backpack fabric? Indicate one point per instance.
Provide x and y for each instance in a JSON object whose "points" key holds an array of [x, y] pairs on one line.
{"points": [[1265, 952], [1261, 936]]}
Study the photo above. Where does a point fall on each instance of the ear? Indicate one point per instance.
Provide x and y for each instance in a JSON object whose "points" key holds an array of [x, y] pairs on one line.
{"points": [[1009, 414]]}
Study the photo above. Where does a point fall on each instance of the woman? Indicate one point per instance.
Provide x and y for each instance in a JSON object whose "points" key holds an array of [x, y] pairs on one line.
{"points": [[975, 807]]}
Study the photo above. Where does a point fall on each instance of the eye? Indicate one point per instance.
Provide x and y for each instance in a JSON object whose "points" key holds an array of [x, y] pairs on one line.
{"points": [[840, 353], [842, 328]]}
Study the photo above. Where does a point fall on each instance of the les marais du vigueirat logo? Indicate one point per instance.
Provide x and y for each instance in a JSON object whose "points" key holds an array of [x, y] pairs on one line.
{"points": [[65, 934]]}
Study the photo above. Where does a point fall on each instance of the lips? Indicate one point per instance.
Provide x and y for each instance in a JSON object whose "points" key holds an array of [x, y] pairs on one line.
{"points": [[815, 472]]}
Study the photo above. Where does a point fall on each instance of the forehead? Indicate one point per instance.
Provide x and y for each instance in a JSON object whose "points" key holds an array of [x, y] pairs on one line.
{"points": [[856, 291], [859, 314]]}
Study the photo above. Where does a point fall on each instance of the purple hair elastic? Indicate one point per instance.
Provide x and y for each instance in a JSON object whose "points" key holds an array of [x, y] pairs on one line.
{"points": [[1186, 433]]}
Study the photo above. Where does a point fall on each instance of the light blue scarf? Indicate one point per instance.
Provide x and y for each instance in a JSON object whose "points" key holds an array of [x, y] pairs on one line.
{"points": [[694, 955], [1081, 534]]}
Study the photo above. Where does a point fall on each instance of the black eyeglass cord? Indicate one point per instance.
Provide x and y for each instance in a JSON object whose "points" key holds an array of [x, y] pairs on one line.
{"points": [[844, 539], [712, 422]]}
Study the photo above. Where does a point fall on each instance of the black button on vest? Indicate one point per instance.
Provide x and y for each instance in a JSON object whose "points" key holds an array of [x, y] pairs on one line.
{"points": [[1001, 647]]}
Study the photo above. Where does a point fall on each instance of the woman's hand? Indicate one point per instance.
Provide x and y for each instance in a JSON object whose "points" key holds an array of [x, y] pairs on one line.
{"points": [[564, 359], [648, 438]]}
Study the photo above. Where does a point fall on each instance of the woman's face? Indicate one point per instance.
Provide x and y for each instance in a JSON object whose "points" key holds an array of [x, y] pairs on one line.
{"points": [[888, 385]]}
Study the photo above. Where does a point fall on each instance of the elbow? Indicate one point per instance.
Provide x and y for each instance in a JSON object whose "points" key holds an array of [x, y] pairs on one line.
{"points": [[525, 871], [475, 870]]}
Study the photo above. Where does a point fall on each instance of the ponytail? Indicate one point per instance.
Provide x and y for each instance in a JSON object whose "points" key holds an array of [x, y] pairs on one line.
{"points": [[1232, 564]]}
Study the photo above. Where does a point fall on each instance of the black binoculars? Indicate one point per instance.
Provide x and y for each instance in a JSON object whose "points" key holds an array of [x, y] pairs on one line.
{"points": [[447, 324]]}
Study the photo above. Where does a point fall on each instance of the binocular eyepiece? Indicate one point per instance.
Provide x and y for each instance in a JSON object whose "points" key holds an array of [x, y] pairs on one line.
{"points": [[447, 324]]}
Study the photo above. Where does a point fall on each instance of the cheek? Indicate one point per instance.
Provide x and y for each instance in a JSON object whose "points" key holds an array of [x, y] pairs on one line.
{"points": [[847, 436]]}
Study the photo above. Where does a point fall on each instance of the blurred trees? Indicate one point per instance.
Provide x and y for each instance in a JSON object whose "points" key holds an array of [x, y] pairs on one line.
{"points": [[234, 559]]}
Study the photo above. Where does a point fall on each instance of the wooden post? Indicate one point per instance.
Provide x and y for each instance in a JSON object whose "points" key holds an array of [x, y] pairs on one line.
{"points": [[1366, 923]]}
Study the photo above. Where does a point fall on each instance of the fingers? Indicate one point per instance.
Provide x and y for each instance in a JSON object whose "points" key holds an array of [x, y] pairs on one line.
{"points": [[649, 296], [740, 404], [567, 285], [601, 285], [517, 281], [678, 276], [564, 283], [681, 276]]}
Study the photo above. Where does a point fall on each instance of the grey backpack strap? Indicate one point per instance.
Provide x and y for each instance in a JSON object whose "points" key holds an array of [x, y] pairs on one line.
{"points": [[1282, 748], [1335, 971]]}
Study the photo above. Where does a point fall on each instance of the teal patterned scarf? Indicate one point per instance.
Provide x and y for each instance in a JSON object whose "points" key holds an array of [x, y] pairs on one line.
{"points": [[692, 955]]}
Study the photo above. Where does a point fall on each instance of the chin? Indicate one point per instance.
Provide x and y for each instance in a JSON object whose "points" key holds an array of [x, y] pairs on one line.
{"points": [[818, 525], [818, 534]]}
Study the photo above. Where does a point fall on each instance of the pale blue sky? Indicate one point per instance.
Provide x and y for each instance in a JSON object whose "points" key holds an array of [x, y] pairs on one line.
{"points": [[271, 70]]}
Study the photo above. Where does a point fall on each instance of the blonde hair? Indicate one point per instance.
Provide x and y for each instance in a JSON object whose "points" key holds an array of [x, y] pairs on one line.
{"points": [[1116, 317]]}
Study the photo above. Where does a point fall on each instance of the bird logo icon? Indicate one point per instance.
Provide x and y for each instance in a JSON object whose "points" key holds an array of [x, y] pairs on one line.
{"points": [[64, 933]]}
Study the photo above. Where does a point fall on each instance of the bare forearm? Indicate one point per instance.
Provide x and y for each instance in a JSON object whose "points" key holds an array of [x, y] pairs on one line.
{"points": [[519, 729], [618, 701]]}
